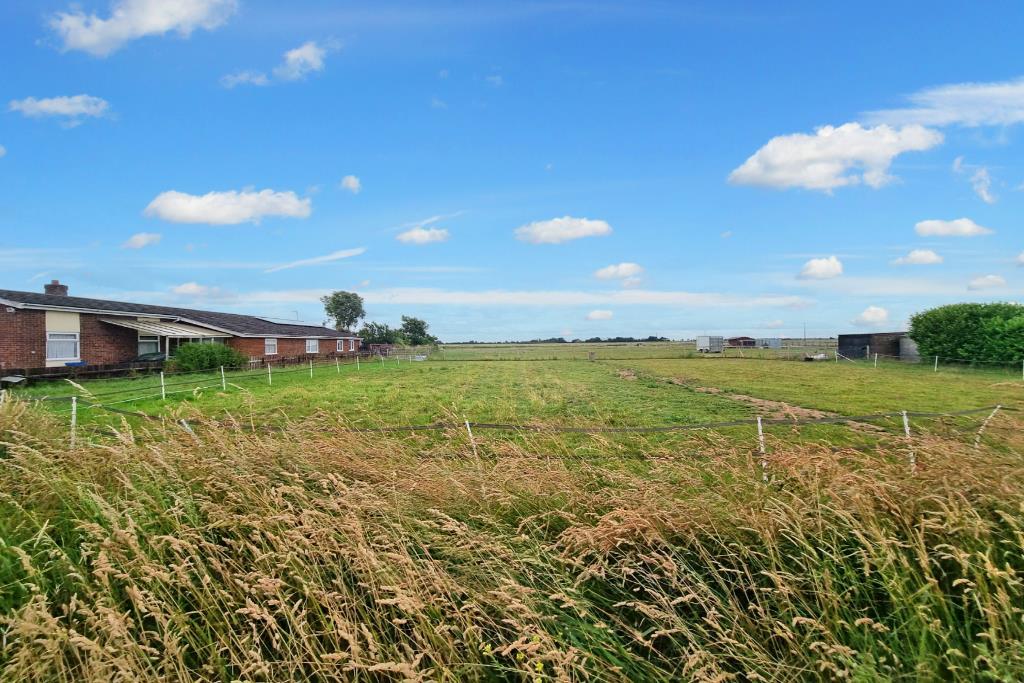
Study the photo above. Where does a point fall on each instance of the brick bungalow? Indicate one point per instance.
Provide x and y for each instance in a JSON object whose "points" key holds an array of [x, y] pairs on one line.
{"points": [[53, 330]]}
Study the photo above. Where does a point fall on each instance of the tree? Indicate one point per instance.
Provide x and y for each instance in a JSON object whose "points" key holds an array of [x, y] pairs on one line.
{"points": [[379, 333], [415, 331], [988, 332], [344, 308]]}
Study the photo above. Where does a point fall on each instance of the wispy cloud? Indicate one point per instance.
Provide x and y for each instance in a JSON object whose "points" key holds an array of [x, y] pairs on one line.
{"points": [[998, 103], [352, 184], [296, 65], [71, 109], [918, 257], [142, 239], [319, 260], [821, 269]]}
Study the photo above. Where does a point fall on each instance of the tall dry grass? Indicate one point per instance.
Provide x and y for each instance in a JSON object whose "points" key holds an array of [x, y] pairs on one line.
{"points": [[323, 555]]}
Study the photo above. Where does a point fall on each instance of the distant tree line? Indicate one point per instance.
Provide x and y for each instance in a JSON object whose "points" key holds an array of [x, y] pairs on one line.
{"points": [[591, 340], [345, 310]]}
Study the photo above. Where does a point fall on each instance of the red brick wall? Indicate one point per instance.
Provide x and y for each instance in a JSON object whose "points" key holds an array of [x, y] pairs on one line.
{"points": [[286, 348], [103, 343], [22, 339]]}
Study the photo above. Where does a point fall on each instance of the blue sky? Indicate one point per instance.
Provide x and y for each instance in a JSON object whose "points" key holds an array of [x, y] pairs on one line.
{"points": [[518, 170]]}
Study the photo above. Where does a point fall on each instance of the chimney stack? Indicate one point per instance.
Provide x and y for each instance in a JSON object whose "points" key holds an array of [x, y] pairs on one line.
{"points": [[56, 288]]}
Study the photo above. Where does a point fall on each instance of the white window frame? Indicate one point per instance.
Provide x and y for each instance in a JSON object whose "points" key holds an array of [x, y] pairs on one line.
{"points": [[75, 337], [341, 346], [148, 339], [352, 344], [312, 346], [270, 346]]}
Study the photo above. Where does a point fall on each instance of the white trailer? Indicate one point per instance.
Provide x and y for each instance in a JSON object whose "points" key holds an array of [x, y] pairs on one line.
{"points": [[706, 344]]}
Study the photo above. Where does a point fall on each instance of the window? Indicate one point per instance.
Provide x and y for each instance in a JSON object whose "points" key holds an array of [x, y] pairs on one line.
{"points": [[341, 345], [149, 344], [62, 346], [269, 347], [312, 346], [351, 344]]}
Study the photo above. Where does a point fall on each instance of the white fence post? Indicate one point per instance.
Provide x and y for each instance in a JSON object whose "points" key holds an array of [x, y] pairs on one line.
{"points": [[984, 426], [837, 356], [382, 360], [311, 368], [357, 361], [270, 375], [223, 379], [74, 420], [876, 361], [3, 396], [471, 441], [337, 364], [906, 430], [936, 363], [163, 387], [761, 448]]}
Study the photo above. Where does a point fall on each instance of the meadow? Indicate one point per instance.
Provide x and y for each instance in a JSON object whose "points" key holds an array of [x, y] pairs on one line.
{"points": [[275, 542]]}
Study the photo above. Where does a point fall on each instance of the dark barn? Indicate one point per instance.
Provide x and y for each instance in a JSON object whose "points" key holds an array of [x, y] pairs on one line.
{"points": [[865, 345]]}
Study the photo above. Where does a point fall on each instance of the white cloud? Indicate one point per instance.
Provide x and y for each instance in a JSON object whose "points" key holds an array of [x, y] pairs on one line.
{"points": [[725, 234], [872, 316], [1020, 259], [301, 61], [599, 314], [821, 269], [619, 271], [420, 235], [918, 257], [438, 103], [142, 239], [245, 78], [131, 19], [564, 229], [3, 151], [71, 108], [227, 208], [999, 103], [198, 291], [773, 325], [352, 184], [632, 282], [960, 227], [317, 260], [832, 157], [986, 282]]}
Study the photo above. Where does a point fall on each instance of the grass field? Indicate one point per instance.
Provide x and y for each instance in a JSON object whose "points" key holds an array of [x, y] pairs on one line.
{"points": [[312, 552]]}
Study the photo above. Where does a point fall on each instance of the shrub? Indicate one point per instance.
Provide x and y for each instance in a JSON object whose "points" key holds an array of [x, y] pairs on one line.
{"points": [[987, 332], [194, 357]]}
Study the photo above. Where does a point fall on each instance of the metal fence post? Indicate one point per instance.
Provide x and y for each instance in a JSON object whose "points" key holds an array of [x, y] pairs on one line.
{"points": [[936, 363], [74, 420], [223, 379], [163, 387], [471, 441], [270, 375], [311, 368]]}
